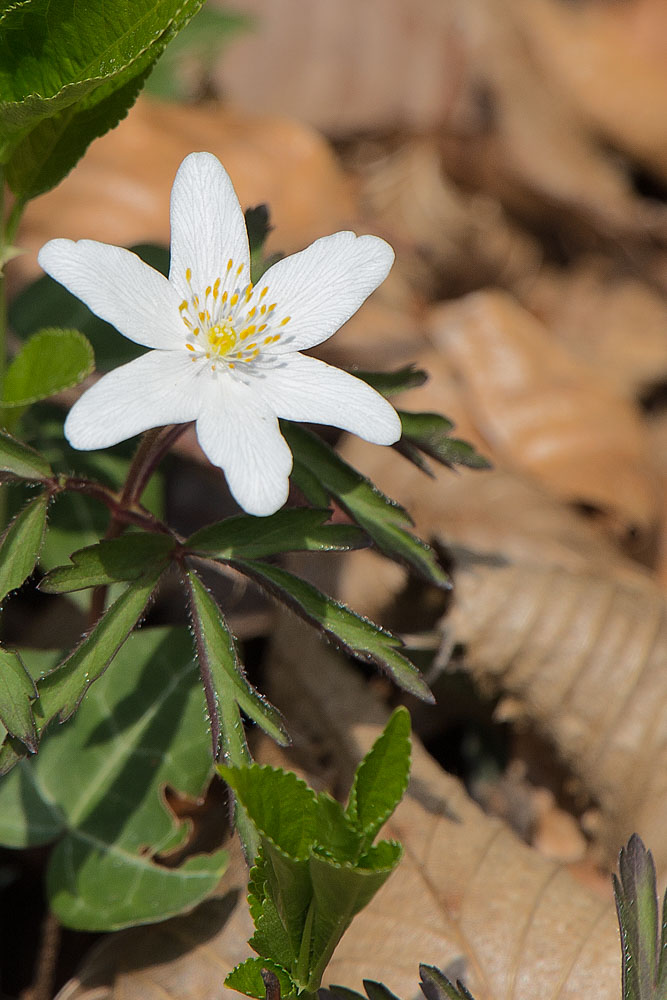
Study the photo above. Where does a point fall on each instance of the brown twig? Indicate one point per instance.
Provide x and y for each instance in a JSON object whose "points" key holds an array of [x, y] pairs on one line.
{"points": [[41, 987]]}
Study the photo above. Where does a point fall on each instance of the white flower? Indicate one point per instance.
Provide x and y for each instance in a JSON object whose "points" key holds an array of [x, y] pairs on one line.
{"points": [[225, 353]]}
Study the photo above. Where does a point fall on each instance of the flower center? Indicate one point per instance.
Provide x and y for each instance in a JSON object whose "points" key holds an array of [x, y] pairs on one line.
{"points": [[233, 323]]}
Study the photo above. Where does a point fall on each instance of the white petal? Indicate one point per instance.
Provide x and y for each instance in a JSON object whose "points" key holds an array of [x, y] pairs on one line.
{"points": [[303, 388], [207, 224], [238, 432], [161, 387], [119, 288], [323, 285]]}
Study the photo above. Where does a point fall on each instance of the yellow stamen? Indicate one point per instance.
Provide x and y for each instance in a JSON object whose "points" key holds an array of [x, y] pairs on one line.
{"points": [[286, 320]]}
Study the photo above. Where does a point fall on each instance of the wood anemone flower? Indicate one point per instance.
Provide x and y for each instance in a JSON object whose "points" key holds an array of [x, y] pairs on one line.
{"points": [[224, 352]]}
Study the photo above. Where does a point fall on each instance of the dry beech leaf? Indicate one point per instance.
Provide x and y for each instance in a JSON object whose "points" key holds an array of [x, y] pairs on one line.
{"points": [[119, 192], [584, 654], [613, 322], [466, 889], [611, 59], [546, 414], [448, 241]]}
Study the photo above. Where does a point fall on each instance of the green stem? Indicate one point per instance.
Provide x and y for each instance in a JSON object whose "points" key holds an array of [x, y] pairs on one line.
{"points": [[303, 963]]}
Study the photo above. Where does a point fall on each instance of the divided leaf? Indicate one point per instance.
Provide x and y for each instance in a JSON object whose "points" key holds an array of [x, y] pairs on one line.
{"points": [[109, 561], [382, 777], [429, 433], [390, 383], [357, 635], [291, 529], [138, 731], [21, 544], [50, 361], [381, 518], [644, 942]]}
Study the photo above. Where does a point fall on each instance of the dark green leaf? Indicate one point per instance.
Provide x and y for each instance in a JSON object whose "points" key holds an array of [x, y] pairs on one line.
{"points": [[139, 730], [50, 361], [378, 991], [357, 635], [16, 459], [119, 559], [258, 226], [17, 691], [381, 518], [429, 432], [289, 530], [21, 543], [68, 73], [436, 986], [61, 691], [390, 383], [382, 777], [247, 978], [216, 647]]}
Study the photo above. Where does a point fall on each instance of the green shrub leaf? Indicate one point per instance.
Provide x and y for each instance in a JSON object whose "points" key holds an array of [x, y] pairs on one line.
{"points": [[17, 691], [357, 635], [247, 978], [429, 433], [382, 777], [21, 544], [50, 361], [139, 730], [109, 561], [20, 462], [381, 518], [289, 530]]}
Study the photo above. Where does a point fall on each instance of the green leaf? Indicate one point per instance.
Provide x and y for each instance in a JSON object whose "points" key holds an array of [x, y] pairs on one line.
{"points": [[21, 544], [289, 530], [382, 777], [436, 986], [52, 360], [19, 461], [68, 73], [139, 730], [109, 561], [357, 635], [17, 691], [390, 383], [381, 518], [429, 433], [644, 962], [61, 690], [47, 303], [217, 650], [247, 978]]}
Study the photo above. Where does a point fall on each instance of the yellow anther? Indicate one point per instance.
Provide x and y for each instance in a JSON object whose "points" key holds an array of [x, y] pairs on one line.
{"points": [[262, 328], [263, 310], [190, 347], [216, 288], [286, 320], [187, 322], [202, 316], [263, 292], [196, 331], [183, 305], [208, 291], [234, 299], [239, 269], [252, 312], [230, 264], [272, 306], [188, 275], [248, 293], [249, 330], [224, 297]]}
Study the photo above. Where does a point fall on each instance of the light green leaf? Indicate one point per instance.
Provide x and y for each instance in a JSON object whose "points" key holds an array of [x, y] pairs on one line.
{"points": [[139, 730], [357, 635], [52, 360], [68, 73], [289, 530], [382, 777], [17, 691], [381, 518], [21, 462], [21, 543], [109, 561], [61, 690], [247, 978]]}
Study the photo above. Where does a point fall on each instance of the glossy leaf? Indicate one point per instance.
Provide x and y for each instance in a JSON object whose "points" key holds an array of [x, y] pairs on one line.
{"points": [[109, 561], [139, 730], [21, 544], [381, 518], [68, 73], [19, 461], [17, 691], [50, 361], [357, 635], [429, 433], [292, 529]]}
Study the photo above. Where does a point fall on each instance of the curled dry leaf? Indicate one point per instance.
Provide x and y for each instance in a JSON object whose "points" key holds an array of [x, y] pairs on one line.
{"points": [[546, 414], [119, 192], [611, 59], [614, 322]]}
